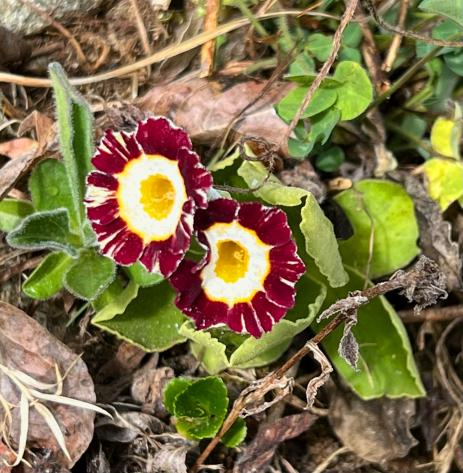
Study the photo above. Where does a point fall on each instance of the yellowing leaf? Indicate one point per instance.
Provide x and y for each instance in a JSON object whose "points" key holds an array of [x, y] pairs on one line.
{"points": [[445, 181], [446, 137]]}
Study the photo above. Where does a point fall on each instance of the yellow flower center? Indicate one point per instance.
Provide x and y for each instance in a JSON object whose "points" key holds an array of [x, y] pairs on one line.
{"points": [[157, 196], [232, 261]]}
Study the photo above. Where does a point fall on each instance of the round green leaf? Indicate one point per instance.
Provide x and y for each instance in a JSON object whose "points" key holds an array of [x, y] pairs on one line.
{"points": [[446, 137], [330, 160], [355, 92], [384, 208], [201, 408], [320, 46], [89, 275], [172, 390]]}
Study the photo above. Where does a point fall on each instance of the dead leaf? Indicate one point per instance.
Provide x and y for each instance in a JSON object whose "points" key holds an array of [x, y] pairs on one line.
{"points": [[435, 232], [207, 108], [260, 451], [43, 127], [148, 387], [377, 430], [127, 426], [18, 148], [304, 175], [170, 459], [28, 347]]}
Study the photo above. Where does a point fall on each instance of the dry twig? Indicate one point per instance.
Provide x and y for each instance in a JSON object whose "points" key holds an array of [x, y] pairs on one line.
{"points": [[397, 39], [423, 283], [408, 34], [208, 49]]}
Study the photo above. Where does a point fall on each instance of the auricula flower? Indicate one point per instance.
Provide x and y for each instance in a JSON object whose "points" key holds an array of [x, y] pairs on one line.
{"points": [[142, 197], [247, 278]]}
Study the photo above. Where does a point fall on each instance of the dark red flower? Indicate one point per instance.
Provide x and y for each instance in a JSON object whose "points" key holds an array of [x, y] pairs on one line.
{"points": [[142, 198], [247, 277]]}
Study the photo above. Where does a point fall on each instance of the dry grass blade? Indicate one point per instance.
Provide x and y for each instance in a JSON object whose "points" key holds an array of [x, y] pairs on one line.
{"points": [[54, 427], [24, 413]]}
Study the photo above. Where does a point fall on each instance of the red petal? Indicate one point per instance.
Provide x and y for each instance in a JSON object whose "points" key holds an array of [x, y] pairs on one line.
{"points": [[106, 181], [105, 213], [125, 248], [219, 210], [278, 292], [160, 136]]}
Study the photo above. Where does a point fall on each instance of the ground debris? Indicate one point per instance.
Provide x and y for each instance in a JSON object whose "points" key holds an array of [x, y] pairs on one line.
{"points": [[377, 430], [259, 453]]}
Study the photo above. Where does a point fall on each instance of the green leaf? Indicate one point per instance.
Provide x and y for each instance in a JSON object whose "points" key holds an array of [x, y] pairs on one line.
{"points": [[386, 364], [320, 240], [50, 190], [201, 408], [221, 349], [301, 66], [206, 348], [394, 232], [444, 181], [446, 136], [43, 230], [12, 213], [172, 390], [454, 62], [355, 92], [75, 122], [321, 243], [236, 434], [139, 274], [350, 54], [330, 160], [320, 46], [452, 9], [114, 300], [89, 275], [322, 125], [273, 191], [150, 320], [322, 99], [352, 35], [47, 279]]}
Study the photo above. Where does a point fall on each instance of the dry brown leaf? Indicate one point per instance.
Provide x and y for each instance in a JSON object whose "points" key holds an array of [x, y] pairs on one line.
{"points": [[206, 108], [28, 347], [42, 125], [13, 48], [260, 451], [6, 457], [377, 430], [18, 148]]}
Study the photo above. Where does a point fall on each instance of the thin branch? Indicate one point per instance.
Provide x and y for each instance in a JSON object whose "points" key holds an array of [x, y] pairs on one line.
{"points": [[421, 281], [408, 34], [208, 49], [397, 39], [345, 19]]}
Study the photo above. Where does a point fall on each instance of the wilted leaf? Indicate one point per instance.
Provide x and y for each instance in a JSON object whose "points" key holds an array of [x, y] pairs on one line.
{"points": [[26, 346], [444, 180], [258, 455], [206, 108], [377, 431], [446, 137], [381, 213]]}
